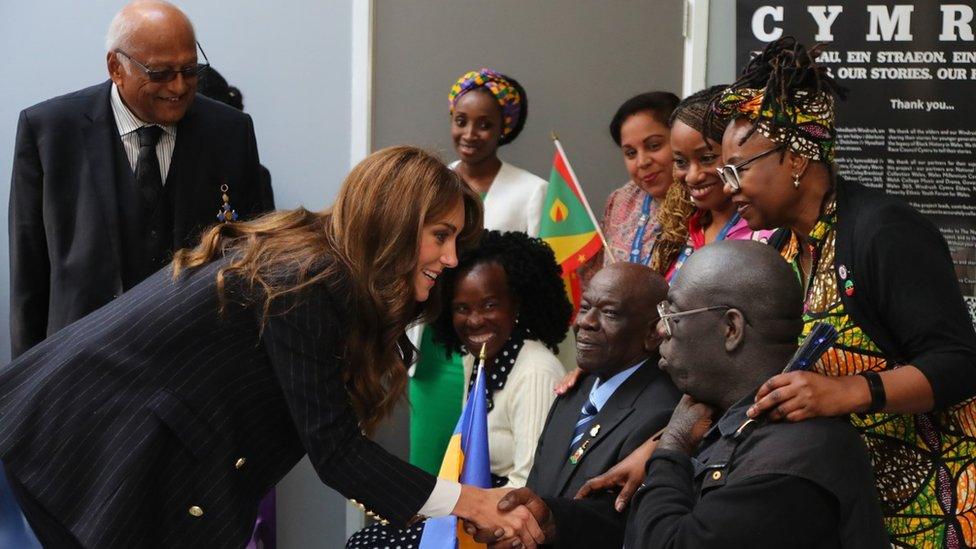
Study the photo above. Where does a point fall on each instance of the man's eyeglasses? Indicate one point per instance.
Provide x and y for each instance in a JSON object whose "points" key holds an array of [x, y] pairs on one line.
{"points": [[730, 173], [664, 307], [167, 75]]}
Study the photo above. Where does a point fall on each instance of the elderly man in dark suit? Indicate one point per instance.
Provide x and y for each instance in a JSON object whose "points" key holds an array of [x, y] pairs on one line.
{"points": [[108, 181], [623, 401]]}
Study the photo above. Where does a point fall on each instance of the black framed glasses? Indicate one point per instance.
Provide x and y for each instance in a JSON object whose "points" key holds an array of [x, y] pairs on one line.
{"points": [[730, 173], [167, 75], [665, 316]]}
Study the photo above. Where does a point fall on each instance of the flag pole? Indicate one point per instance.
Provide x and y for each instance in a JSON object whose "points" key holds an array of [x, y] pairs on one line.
{"points": [[586, 203]]}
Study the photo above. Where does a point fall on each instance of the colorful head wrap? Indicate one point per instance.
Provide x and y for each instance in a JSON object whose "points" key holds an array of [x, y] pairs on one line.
{"points": [[508, 93], [804, 122]]}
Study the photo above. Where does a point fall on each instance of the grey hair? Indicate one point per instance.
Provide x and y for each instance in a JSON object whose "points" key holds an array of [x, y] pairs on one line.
{"points": [[124, 25], [120, 31]]}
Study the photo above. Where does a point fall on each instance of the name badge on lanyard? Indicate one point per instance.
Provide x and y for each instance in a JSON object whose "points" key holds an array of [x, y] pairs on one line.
{"points": [[722, 235], [635, 247]]}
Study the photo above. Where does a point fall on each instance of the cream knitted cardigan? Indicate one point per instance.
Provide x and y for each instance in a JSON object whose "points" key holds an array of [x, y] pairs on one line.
{"points": [[520, 410]]}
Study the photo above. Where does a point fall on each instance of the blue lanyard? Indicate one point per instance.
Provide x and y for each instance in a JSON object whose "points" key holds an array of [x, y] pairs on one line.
{"points": [[635, 247], [689, 249]]}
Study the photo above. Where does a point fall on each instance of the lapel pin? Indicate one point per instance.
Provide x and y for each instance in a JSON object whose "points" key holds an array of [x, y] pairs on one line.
{"points": [[842, 271], [574, 459], [595, 430], [849, 288]]}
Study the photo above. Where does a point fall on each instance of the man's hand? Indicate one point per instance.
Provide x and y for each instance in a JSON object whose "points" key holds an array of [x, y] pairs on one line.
{"points": [[518, 502], [480, 510], [626, 475], [689, 422]]}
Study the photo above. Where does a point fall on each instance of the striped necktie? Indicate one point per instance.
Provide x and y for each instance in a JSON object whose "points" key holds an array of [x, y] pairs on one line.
{"points": [[587, 415]]}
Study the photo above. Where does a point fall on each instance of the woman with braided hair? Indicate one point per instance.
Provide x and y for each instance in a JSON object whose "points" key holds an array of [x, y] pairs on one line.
{"points": [[880, 273], [696, 210], [873, 267]]}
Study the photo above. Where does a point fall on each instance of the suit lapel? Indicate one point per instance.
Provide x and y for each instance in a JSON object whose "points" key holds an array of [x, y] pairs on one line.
{"points": [[101, 137], [180, 181], [555, 454], [620, 405]]}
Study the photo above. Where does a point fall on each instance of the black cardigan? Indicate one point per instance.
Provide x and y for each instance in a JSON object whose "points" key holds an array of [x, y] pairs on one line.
{"points": [[906, 295]]}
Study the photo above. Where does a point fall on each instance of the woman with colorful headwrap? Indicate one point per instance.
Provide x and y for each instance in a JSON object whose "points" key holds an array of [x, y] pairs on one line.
{"points": [[904, 367], [696, 210], [487, 110]]}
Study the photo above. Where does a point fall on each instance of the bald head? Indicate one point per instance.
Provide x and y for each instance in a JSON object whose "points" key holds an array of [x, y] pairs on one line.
{"points": [[616, 324], [634, 283], [145, 21], [747, 275], [743, 307], [152, 60]]}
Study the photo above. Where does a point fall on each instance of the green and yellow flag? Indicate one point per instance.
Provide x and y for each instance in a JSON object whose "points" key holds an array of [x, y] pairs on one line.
{"points": [[568, 225]]}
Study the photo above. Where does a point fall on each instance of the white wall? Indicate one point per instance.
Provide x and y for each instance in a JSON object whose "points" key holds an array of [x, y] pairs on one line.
{"points": [[292, 62]]}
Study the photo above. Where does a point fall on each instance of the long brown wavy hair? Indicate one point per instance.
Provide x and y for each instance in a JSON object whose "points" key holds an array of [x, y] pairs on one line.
{"points": [[364, 249]]}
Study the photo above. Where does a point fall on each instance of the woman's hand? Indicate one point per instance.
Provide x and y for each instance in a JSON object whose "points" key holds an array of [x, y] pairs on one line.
{"points": [[796, 396], [569, 381], [480, 508], [626, 475]]}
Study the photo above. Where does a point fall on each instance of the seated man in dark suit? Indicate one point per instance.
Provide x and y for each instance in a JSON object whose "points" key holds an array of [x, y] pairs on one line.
{"points": [[624, 401], [717, 478]]}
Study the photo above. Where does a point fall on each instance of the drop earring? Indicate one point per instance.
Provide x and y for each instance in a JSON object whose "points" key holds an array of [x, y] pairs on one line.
{"points": [[796, 181]]}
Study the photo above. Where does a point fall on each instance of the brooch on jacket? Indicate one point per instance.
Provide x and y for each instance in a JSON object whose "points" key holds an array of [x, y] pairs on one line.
{"points": [[226, 212]]}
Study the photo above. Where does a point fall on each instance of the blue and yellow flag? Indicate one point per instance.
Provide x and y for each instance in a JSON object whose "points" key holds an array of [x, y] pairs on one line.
{"points": [[465, 461]]}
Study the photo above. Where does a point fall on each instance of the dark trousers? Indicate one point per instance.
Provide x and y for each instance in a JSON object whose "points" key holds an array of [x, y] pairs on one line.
{"points": [[51, 533]]}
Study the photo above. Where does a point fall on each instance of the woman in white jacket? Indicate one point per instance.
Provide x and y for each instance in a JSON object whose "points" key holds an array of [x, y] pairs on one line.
{"points": [[487, 110]]}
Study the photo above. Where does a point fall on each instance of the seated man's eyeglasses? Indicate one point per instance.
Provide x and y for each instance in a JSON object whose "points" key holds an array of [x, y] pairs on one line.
{"points": [[167, 75], [730, 173], [664, 308]]}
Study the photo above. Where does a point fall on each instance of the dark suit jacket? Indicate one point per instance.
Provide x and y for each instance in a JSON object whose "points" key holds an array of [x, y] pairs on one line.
{"points": [[123, 422], [72, 191], [640, 407]]}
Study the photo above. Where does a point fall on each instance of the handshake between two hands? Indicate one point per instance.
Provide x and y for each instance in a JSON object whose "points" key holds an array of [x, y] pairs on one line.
{"points": [[510, 518]]}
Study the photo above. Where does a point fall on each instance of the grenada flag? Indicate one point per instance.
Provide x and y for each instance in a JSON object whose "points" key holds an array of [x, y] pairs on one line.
{"points": [[568, 224], [465, 461]]}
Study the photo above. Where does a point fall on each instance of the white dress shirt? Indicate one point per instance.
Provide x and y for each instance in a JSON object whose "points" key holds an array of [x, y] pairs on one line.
{"points": [[127, 124]]}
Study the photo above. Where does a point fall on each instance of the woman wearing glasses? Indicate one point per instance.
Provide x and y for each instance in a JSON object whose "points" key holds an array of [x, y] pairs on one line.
{"points": [[873, 267], [881, 274], [696, 210]]}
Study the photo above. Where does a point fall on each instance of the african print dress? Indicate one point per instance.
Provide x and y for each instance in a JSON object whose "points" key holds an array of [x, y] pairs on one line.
{"points": [[922, 463]]}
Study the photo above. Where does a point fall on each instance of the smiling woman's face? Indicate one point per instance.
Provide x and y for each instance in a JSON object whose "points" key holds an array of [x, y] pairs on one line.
{"points": [[695, 164], [645, 144], [483, 309], [476, 126]]}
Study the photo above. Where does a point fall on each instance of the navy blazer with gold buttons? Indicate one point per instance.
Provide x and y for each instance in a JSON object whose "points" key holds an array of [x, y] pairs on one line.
{"points": [[157, 422]]}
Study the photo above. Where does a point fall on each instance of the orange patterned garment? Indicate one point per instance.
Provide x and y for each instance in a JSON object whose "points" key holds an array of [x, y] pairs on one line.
{"points": [[923, 463]]}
